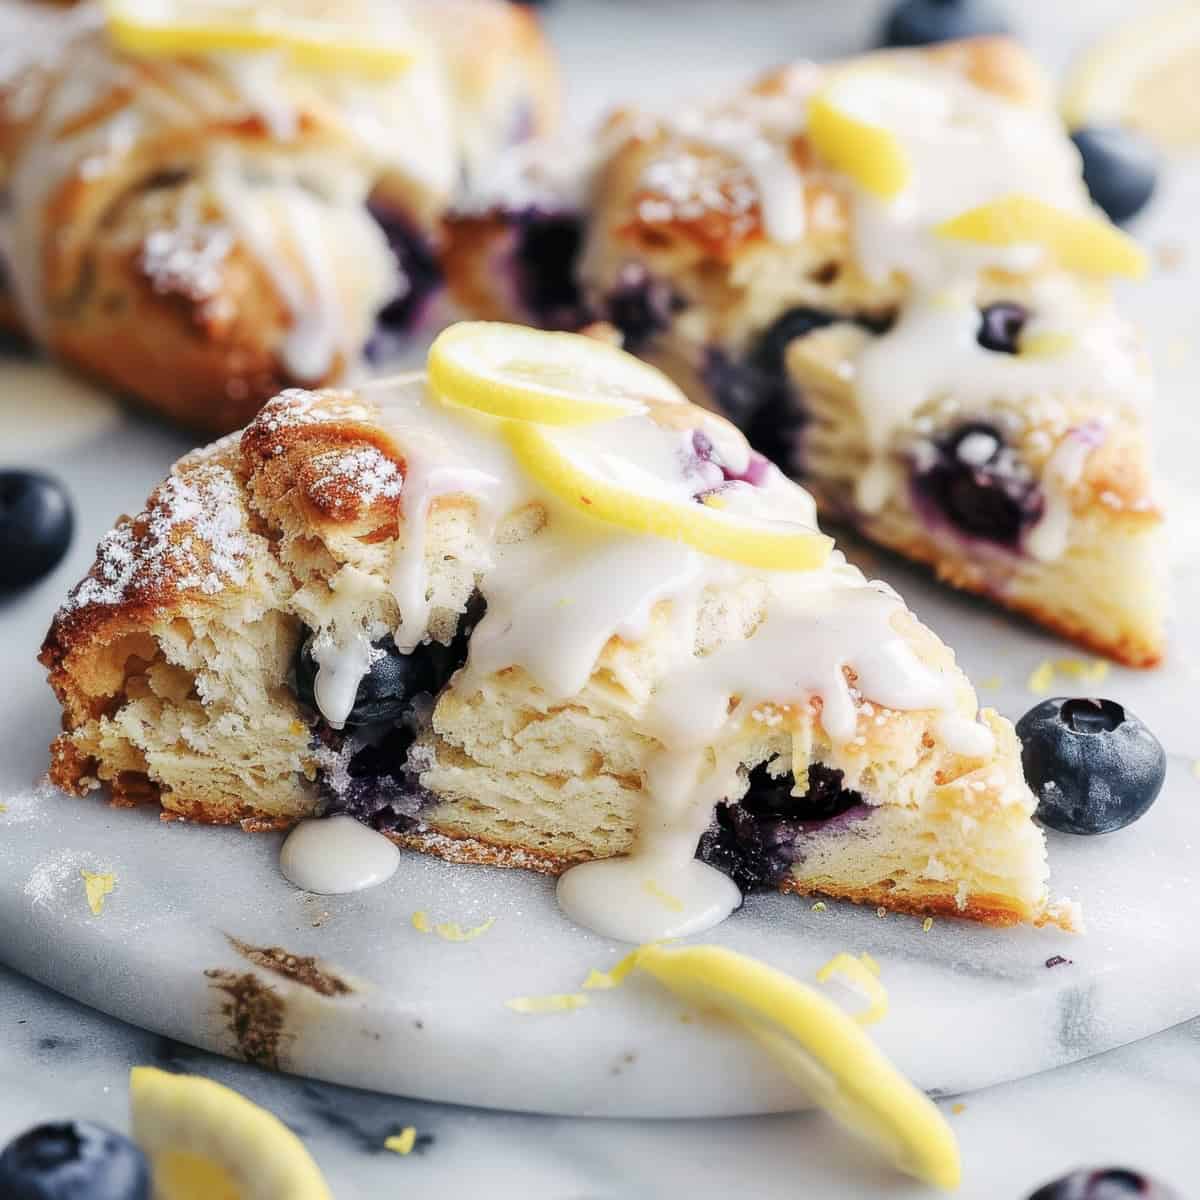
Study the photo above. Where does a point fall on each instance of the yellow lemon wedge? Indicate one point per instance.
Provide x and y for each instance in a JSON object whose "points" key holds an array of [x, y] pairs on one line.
{"points": [[849, 141], [1143, 74], [821, 1047], [552, 378], [319, 34], [207, 1142], [1079, 241], [572, 473]]}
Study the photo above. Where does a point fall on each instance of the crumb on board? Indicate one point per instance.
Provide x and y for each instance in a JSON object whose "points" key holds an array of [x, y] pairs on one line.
{"points": [[819, 906], [97, 885], [881, 912]]}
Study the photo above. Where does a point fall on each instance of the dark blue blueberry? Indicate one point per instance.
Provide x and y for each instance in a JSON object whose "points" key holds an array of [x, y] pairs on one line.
{"points": [[1093, 766], [420, 278], [389, 687], [375, 782], [546, 256], [36, 522], [1120, 168], [73, 1160], [641, 307], [1000, 326], [978, 484], [753, 841], [920, 22], [1106, 1183]]}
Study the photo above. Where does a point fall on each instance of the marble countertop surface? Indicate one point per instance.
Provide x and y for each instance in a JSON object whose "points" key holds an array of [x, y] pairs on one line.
{"points": [[1138, 1106]]}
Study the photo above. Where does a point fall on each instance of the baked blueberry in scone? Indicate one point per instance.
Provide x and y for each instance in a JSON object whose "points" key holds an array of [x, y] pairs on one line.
{"points": [[538, 611], [888, 272], [201, 230]]}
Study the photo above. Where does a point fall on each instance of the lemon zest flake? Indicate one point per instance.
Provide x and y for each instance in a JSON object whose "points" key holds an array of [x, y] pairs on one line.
{"points": [[1196, 768], [420, 921], [927, 925], [1093, 671], [862, 974], [669, 902], [557, 1002], [97, 885], [958, 1109], [452, 931], [1041, 680], [603, 980], [402, 1142], [819, 907], [3, 808]]}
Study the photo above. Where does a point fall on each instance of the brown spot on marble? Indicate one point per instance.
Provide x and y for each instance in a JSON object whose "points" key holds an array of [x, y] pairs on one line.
{"points": [[305, 970], [254, 1015]]}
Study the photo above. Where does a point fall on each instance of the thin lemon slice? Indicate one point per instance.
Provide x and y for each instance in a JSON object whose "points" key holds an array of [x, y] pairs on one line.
{"points": [[772, 545], [319, 34], [819, 1045], [1144, 74], [207, 1142], [1078, 241], [551, 378], [852, 143]]}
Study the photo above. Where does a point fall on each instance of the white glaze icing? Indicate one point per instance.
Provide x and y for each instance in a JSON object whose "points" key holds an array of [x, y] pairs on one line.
{"points": [[556, 598], [399, 126], [337, 855]]}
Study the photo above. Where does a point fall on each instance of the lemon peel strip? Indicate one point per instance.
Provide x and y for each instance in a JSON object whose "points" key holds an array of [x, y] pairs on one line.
{"points": [[868, 153], [1079, 241], [816, 1043], [420, 921], [97, 885], [862, 974], [557, 1002]]}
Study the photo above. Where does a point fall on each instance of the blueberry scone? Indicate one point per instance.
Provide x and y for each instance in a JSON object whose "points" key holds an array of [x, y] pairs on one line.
{"points": [[887, 272], [533, 610], [200, 224]]}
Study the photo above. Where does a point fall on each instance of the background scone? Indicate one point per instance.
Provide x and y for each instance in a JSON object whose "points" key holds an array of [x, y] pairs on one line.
{"points": [[379, 603], [888, 272], [201, 231]]}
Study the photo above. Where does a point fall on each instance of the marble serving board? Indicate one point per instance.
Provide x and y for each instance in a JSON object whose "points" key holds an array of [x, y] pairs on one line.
{"points": [[202, 940]]}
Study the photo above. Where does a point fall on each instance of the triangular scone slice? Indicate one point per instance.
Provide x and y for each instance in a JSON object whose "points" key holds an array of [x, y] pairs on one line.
{"points": [[543, 687], [888, 272]]}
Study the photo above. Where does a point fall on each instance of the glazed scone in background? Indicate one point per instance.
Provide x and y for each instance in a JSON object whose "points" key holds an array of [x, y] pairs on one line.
{"points": [[202, 232]]}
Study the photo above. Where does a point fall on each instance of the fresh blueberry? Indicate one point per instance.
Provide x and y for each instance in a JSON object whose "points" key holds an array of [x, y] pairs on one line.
{"points": [[973, 479], [1120, 168], [1106, 1183], [641, 307], [548, 246], [919, 22], [394, 679], [420, 277], [753, 841], [1093, 765], [36, 522], [73, 1160], [1000, 326]]}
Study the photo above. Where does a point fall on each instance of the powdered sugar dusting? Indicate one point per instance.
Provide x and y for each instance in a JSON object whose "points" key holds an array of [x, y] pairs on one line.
{"points": [[191, 537], [186, 261], [59, 877], [348, 478]]}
